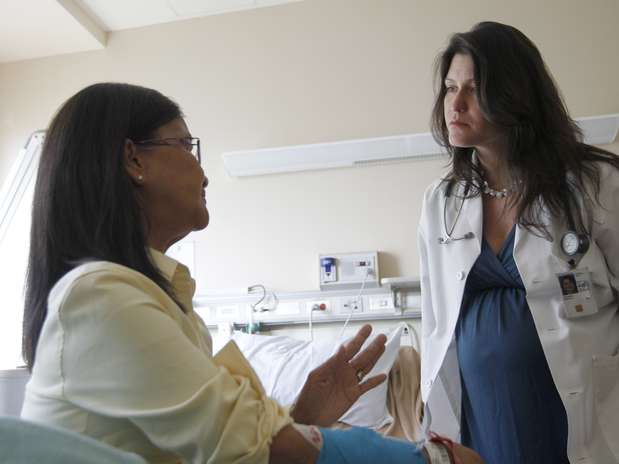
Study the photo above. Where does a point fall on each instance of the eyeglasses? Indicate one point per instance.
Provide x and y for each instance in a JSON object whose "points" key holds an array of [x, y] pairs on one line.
{"points": [[189, 144]]}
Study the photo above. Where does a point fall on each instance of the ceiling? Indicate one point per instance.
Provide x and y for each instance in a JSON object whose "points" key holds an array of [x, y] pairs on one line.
{"points": [[38, 28]]}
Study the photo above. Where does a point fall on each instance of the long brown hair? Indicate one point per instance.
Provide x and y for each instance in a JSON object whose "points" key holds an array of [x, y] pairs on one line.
{"points": [[85, 206], [518, 95]]}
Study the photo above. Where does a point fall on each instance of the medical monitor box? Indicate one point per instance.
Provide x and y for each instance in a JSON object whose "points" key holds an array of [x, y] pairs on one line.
{"points": [[342, 271]]}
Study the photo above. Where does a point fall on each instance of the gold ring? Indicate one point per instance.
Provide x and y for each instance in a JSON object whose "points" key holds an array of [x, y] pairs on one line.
{"points": [[360, 375]]}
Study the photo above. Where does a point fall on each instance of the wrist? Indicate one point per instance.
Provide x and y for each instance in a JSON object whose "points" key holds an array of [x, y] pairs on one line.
{"points": [[290, 446], [299, 415]]}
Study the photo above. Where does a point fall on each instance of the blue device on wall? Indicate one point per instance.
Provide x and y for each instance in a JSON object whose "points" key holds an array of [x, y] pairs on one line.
{"points": [[328, 270]]}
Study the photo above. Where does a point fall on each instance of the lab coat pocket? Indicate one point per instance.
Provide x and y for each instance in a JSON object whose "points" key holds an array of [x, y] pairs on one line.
{"points": [[606, 391]]}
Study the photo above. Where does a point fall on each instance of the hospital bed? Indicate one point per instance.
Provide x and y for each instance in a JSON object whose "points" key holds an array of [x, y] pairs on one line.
{"points": [[394, 408]]}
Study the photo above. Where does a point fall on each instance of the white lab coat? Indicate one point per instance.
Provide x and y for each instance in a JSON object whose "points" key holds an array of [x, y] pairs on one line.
{"points": [[583, 353]]}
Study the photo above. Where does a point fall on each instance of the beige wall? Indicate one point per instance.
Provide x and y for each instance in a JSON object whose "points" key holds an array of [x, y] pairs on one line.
{"points": [[314, 71]]}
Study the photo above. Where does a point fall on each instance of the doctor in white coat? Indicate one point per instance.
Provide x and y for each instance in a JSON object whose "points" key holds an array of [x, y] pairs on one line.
{"points": [[518, 369]]}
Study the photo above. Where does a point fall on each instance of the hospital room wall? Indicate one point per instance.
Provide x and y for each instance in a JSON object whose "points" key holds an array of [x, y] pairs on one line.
{"points": [[309, 72]]}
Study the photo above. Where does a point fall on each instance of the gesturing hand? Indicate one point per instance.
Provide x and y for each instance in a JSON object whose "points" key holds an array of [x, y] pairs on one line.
{"points": [[335, 385]]}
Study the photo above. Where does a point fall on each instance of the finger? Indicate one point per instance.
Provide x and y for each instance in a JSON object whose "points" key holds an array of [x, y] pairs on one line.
{"points": [[371, 382], [355, 344], [339, 358], [369, 356]]}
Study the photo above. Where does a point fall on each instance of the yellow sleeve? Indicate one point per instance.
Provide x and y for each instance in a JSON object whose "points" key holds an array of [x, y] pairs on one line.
{"points": [[124, 357]]}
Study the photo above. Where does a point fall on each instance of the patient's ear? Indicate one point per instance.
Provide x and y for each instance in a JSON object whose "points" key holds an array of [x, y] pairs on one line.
{"points": [[133, 163]]}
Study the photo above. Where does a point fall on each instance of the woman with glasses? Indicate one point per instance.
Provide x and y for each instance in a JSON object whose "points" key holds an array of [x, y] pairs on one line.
{"points": [[115, 348]]}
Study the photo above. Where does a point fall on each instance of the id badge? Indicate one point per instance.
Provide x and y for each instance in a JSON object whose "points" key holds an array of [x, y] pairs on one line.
{"points": [[577, 294]]}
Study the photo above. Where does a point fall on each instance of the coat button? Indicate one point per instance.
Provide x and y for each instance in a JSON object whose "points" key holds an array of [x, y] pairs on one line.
{"points": [[460, 275]]}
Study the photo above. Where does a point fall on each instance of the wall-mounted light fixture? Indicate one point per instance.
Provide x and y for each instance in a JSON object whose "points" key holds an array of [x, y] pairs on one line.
{"points": [[598, 130]]}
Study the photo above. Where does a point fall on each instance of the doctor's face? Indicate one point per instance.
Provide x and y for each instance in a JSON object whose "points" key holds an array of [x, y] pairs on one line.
{"points": [[465, 121]]}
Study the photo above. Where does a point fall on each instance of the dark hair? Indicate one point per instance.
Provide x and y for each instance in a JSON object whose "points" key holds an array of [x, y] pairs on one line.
{"points": [[517, 94], [85, 207]]}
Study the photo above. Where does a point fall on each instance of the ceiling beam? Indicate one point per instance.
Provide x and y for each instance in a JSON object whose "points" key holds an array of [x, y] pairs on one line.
{"points": [[75, 10]]}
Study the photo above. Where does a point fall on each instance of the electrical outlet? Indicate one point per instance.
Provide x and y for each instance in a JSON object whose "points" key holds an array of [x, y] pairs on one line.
{"points": [[319, 306], [354, 304], [284, 308], [381, 303]]}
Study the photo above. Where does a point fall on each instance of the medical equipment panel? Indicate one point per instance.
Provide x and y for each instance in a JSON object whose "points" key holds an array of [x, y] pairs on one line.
{"points": [[339, 271]]}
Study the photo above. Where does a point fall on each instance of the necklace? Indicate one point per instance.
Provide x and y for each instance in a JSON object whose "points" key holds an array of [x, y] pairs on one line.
{"points": [[503, 193]]}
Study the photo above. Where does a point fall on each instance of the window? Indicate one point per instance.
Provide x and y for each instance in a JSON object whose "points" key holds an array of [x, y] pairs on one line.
{"points": [[15, 208]]}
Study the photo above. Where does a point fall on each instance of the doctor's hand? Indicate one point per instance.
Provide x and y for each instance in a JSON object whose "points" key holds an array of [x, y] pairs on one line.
{"points": [[466, 455], [332, 388]]}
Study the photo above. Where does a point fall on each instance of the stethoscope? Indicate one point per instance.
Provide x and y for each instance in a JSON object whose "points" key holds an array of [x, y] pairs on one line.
{"points": [[572, 243], [448, 237]]}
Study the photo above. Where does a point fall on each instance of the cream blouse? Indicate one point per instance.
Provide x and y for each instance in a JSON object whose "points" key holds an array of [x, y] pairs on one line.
{"points": [[119, 361]]}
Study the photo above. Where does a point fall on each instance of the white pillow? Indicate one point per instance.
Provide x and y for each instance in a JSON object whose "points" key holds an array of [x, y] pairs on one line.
{"points": [[283, 364]]}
